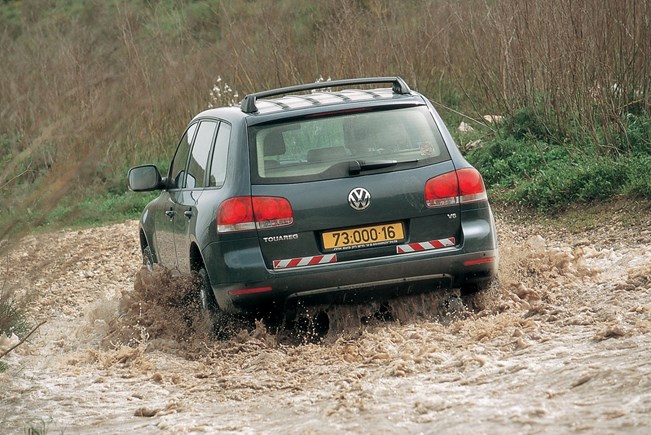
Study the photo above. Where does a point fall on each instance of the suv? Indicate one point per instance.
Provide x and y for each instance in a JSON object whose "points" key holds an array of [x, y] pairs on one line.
{"points": [[338, 195]]}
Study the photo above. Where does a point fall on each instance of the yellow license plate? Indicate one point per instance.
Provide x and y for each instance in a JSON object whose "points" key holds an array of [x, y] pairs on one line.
{"points": [[363, 237]]}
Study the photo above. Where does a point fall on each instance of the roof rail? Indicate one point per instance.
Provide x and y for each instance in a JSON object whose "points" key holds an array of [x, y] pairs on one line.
{"points": [[398, 85]]}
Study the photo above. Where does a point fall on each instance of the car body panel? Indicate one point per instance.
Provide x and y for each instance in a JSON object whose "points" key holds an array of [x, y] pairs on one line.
{"points": [[161, 230], [185, 205], [323, 206], [412, 272]]}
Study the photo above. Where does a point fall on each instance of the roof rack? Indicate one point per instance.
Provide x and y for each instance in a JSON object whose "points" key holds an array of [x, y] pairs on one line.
{"points": [[398, 86]]}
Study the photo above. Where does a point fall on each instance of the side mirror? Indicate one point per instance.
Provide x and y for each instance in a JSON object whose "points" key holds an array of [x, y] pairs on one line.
{"points": [[145, 178]]}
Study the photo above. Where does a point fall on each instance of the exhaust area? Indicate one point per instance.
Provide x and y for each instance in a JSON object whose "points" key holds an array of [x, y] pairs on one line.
{"points": [[327, 323]]}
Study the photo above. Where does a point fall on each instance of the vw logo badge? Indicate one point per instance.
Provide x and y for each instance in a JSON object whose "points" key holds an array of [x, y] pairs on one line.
{"points": [[359, 198]]}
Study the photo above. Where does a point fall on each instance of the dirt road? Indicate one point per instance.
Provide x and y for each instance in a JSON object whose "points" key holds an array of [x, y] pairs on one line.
{"points": [[562, 344]]}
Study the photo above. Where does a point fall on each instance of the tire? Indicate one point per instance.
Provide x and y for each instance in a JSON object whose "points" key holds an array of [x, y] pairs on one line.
{"points": [[147, 258], [205, 294], [451, 309], [471, 289], [223, 325]]}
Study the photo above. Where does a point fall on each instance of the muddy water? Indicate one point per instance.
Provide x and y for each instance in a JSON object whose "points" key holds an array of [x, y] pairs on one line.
{"points": [[560, 344]]}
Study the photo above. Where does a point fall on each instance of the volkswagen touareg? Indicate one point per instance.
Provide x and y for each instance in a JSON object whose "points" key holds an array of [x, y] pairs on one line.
{"points": [[340, 190]]}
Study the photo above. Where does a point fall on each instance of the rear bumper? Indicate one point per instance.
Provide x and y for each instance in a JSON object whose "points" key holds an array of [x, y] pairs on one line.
{"points": [[252, 285], [348, 281]]}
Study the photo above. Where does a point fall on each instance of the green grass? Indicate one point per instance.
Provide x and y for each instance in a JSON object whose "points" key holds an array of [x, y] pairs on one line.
{"points": [[97, 209], [535, 172], [80, 209]]}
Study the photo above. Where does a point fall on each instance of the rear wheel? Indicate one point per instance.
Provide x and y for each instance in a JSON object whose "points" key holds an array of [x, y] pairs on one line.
{"points": [[451, 309], [474, 295], [206, 296], [221, 324], [147, 258]]}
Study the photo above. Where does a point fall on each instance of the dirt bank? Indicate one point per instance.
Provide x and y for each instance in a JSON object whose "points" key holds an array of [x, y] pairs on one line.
{"points": [[561, 344]]}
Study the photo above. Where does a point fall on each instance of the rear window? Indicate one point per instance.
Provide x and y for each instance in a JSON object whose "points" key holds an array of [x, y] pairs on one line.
{"points": [[334, 146]]}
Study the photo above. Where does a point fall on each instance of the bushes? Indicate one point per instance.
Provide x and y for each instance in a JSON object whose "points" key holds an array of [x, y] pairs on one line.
{"points": [[13, 319], [639, 183], [523, 169], [567, 182], [85, 82], [638, 133], [505, 162], [12, 315], [526, 123]]}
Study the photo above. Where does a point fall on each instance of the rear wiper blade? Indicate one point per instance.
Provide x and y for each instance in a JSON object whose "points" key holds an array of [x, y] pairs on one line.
{"points": [[357, 166]]}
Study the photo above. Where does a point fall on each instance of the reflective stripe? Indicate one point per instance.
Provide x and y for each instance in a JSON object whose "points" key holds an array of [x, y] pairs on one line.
{"points": [[305, 261], [425, 246]]}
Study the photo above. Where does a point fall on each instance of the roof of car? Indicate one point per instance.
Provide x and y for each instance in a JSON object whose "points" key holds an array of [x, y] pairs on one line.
{"points": [[249, 103], [293, 102], [259, 103]]}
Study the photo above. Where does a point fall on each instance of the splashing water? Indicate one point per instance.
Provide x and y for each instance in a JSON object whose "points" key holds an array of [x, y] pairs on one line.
{"points": [[559, 344]]}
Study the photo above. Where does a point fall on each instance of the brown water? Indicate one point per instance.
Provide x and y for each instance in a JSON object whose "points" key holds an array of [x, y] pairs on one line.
{"points": [[561, 344]]}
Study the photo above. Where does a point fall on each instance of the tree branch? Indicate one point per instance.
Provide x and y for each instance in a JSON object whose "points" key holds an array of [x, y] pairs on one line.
{"points": [[23, 340]]}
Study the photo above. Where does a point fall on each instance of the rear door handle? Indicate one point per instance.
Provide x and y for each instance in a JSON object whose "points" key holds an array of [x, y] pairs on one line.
{"points": [[188, 214], [170, 213]]}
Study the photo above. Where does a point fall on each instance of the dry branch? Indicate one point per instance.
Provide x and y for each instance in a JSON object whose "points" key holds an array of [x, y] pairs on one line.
{"points": [[22, 341]]}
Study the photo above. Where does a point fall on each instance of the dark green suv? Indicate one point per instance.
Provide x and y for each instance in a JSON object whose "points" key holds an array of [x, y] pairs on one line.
{"points": [[346, 194]]}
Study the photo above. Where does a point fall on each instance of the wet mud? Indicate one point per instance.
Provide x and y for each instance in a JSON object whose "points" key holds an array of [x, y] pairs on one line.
{"points": [[559, 344]]}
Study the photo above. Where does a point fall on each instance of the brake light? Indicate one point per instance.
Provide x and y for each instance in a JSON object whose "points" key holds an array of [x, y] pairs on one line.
{"points": [[272, 211], [456, 187], [471, 185], [244, 213], [235, 214], [442, 190]]}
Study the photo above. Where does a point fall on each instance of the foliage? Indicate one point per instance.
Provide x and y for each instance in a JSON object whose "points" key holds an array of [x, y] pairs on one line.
{"points": [[504, 162], [12, 315], [639, 180], [97, 210], [548, 176], [527, 123], [567, 182], [91, 88]]}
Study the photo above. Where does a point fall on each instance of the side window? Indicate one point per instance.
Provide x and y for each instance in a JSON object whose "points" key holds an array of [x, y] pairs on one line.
{"points": [[220, 156], [177, 168], [199, 156]]}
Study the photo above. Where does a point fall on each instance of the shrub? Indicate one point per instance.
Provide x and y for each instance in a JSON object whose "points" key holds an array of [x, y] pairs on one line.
{"points": [[565, 182], [506, 162], [549, 177], [639, 184], [12, 315], [638, 133], [527, 123]]}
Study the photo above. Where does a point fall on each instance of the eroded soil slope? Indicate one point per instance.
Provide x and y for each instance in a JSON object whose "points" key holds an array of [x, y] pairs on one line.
{"points": [[560, 344]]}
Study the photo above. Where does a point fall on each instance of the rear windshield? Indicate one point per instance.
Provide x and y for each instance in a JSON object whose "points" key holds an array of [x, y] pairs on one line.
{"points": [[339, 145]]}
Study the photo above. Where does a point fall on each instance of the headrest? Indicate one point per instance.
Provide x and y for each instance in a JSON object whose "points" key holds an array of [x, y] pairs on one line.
{"points": [[274, 144]]}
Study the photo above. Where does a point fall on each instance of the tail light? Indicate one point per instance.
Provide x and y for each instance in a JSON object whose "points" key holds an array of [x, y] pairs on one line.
{"points": [[457, 187], [244, 213]]}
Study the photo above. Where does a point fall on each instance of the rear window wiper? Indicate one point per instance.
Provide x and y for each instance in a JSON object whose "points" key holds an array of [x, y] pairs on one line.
{"points": [[357, 166]]}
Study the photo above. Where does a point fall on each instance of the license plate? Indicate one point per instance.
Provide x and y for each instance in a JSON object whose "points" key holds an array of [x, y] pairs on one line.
{"points": [[363, 237]]}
